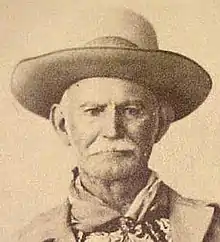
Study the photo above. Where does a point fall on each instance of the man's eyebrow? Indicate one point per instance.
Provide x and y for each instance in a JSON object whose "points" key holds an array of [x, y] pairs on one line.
{"points": [[132, 102], [124, 103], [91, 104]]}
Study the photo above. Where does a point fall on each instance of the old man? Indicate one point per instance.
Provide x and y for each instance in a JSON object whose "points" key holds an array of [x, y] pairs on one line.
{"points": [[113, 99]]}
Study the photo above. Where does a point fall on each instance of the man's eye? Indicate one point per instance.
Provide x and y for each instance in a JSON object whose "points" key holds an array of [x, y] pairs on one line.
{"points": [[133, 111], [94, 111]]}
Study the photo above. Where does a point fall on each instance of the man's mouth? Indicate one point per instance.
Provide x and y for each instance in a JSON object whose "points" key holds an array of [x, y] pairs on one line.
{"points": [[114, 152]]}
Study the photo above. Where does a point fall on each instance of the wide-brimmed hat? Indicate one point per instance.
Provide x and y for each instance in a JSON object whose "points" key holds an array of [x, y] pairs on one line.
{"points": [[129, 52]]}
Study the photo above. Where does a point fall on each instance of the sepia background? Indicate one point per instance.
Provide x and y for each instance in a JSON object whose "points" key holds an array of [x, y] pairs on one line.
{"points": [[35, 166]]}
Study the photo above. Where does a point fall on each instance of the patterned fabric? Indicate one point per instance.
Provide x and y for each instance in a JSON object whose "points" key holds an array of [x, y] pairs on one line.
{"points": [[159, 231], [145, 220]]}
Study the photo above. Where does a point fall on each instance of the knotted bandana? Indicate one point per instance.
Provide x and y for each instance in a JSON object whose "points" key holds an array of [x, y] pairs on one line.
{"points": [[145, 220]]}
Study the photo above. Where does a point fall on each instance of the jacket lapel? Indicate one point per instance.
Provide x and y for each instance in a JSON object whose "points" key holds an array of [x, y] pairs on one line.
{"points": [[189, 219], [50, 226]]}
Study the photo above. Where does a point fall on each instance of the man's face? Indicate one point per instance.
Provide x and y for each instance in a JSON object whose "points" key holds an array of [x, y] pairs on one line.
{"points": [[112, 123]]}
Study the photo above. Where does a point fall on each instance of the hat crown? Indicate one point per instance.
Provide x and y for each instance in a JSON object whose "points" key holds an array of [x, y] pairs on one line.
{"points": [[117, 27]]}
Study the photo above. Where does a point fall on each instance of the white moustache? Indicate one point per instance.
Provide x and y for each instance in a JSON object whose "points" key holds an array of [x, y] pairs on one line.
{"points": [[116, 146]]}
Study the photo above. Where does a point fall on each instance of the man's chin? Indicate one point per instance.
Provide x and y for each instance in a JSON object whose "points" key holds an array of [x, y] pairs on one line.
{"points": [[111, 167], [112, 159]]}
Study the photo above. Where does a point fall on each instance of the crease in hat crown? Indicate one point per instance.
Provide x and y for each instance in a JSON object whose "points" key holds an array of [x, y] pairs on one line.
{"points": [[111, 41], [123, 44]]}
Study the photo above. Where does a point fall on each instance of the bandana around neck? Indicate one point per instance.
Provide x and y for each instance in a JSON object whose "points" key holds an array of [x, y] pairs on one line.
{"points": [[145, 220]]}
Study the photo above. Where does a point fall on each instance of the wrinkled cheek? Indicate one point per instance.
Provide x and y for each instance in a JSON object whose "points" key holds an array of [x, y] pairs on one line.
{"points": [[83, 137], [142, 134]]}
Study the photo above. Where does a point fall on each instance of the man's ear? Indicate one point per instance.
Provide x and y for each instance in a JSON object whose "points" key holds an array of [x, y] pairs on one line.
{"points": [[58, 121], [166, 116]]}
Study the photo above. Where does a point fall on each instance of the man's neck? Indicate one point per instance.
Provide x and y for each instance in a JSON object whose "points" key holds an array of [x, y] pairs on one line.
{"points": [[118, 194]]}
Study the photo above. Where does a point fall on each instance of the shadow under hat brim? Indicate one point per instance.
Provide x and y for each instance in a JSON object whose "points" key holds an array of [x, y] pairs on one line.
{"points": [[39, 82]]}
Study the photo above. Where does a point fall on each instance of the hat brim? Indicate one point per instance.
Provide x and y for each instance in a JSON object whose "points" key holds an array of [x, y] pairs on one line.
{"points": [[40, 82]]}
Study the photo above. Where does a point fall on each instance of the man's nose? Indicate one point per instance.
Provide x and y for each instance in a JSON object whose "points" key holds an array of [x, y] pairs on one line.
{"points": [[112, 125]]}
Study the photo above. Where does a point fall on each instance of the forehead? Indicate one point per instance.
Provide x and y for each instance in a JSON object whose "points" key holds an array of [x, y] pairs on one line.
{"points": [[103, 90]]}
